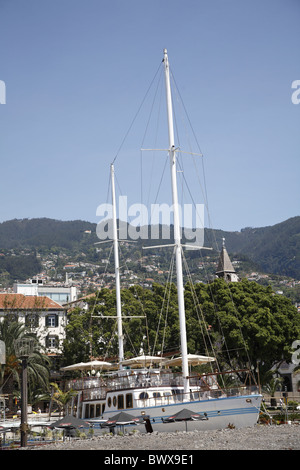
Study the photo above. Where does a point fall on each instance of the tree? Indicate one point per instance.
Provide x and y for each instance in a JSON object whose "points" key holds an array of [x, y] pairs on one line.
{"points": [[253, 322], [240, 323], [38, 363], [62, 398]]}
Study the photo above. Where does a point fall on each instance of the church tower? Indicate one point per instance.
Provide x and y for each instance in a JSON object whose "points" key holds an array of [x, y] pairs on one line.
{"points": [[225, 269]]}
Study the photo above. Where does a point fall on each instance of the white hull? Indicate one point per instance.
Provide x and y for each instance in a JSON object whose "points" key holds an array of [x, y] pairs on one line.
{"points": [[239, 411]]}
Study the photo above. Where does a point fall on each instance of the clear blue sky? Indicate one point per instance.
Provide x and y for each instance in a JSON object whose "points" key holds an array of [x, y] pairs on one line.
{"points": [[76, 72]]}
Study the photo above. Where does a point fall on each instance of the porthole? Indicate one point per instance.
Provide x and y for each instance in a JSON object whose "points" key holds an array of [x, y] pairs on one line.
{"points": [[109, 402], [114, 400]]}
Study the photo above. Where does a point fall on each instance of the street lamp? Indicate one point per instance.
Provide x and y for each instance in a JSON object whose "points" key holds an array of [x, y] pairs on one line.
{"points": [[24, 348]]}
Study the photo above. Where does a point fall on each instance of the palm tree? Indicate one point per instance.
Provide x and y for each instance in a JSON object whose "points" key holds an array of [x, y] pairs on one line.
{"points": [[271, 387], [62, 398], [38, 363]]}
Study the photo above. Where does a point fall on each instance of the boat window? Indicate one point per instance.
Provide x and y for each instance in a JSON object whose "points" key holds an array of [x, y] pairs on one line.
{"points": [[103, 408], [114, 400], [98, 410], [143, 396], [120, 402], [129, 400], [109, 402], [156, 394]]}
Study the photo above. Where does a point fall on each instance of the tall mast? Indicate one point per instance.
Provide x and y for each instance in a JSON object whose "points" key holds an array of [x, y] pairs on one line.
{"points": [[117, 268], [177, 236]]}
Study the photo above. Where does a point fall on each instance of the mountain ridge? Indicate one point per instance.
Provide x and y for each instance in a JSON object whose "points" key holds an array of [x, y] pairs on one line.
{"points": [[275, 249]]}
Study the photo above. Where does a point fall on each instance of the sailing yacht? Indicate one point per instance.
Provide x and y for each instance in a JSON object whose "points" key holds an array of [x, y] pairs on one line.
{"points": [[158, 396]]}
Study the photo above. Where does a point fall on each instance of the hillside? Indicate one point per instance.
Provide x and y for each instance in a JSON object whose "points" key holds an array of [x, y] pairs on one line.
{"points": [[274, 249]]}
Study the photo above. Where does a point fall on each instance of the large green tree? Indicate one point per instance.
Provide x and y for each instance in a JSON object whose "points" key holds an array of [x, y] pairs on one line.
{"points": [[240, 323], [249, 323]]}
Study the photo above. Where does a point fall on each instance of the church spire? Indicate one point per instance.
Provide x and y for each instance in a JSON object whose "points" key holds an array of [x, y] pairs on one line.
{"points": [[225, 269]]}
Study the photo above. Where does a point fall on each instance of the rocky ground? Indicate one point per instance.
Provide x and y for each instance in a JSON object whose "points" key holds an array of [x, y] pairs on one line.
{"points": [[260, 437]]}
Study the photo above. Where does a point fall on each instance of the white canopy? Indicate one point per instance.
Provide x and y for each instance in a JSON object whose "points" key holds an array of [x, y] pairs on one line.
{"points": [[193, 360], [143, 361], [89, 366]]}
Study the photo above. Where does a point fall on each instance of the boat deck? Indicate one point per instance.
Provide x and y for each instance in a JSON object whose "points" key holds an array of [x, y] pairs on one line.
{"points": [[201, 387]]}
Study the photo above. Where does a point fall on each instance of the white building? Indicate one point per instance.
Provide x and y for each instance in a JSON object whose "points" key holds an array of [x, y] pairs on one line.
{"points": [[40, 314], [60, 294]]}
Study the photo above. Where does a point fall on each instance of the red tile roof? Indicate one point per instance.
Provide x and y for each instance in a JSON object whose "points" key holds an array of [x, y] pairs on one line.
{"points": [[27, 302]]}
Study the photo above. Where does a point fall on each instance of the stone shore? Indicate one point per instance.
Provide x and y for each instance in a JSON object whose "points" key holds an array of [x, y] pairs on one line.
{"points": [[260, 437]]}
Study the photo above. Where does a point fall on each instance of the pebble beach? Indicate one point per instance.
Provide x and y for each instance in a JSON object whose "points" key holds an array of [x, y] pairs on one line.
{"points": [[260, 437]]}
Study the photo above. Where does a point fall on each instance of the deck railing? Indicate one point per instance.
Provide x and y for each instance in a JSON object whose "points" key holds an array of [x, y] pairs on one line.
{"points": [[95, 388]]}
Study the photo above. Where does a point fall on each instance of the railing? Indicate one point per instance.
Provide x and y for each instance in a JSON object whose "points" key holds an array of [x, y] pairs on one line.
{"points": [[143, 380], [169, 398], [95, 388]]}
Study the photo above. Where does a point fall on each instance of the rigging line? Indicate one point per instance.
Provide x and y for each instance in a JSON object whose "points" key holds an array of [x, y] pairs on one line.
{"points": [[197, 305], [168, 303], [203, 188], [129, 337], [199, 308], [158, 190], [95, 302], [170, 274], [180, 162], [136, 114], [189, 191], [186, 113], [215, 307], [138, 297], [114, 332], [152, 106], [155, 143], [180, 102]]}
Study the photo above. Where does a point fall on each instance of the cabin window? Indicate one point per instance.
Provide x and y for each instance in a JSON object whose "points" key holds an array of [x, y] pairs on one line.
{"points": [[120, 402], [129, 400], [143, 396], [98, 410], [114, 400], [109, 402], [156, 394]]}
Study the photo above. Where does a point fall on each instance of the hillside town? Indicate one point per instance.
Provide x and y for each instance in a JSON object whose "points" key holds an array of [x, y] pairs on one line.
{"points": [[80, 277]]}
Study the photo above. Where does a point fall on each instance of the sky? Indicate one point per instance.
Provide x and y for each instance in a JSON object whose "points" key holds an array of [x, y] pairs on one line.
{"points": [[76, 74]]}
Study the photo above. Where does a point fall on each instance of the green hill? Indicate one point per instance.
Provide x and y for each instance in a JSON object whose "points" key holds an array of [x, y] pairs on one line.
{"points": [[274, 249]]}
